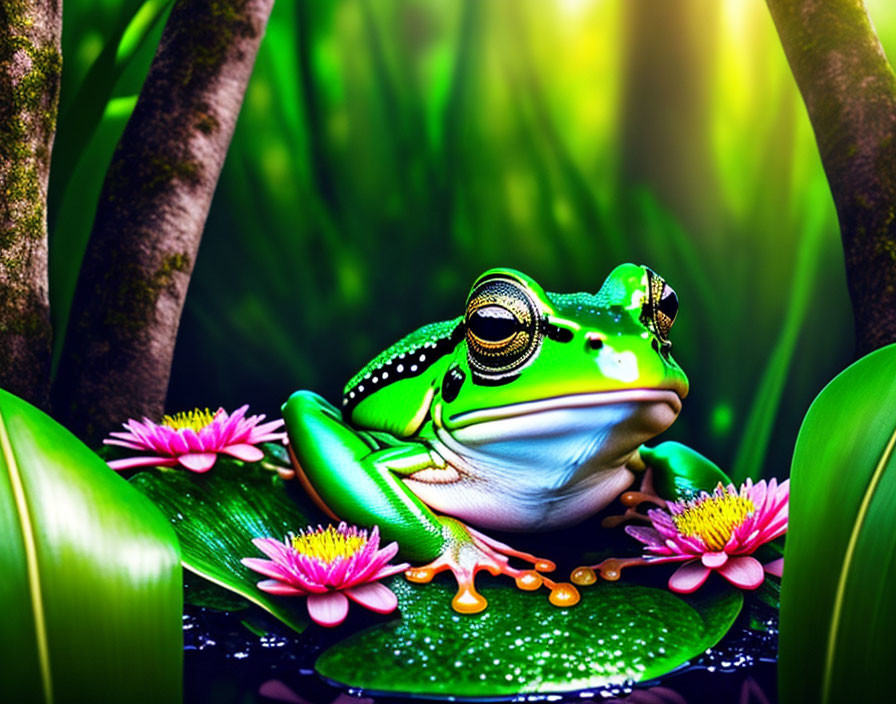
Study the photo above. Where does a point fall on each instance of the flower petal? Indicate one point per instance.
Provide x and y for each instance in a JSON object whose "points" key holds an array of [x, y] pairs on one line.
{"points": [[229, 423], [648, 536], [265, 429], [374, 596], [275, 549], [328, 609], [743, 572], [125, 443], [273, 586], [775, 567], [192, 439], [714, 560], [130, 437], [177, 444], [689, 577], [267, 568], [129, 462], [246, 453], [198, 461], [366, 572]]}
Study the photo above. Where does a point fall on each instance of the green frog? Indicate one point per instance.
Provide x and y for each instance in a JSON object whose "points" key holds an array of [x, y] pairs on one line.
{"points": [[526, 413]]}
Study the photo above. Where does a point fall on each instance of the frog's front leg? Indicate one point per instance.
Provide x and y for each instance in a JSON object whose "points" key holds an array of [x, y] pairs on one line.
{"points": [[357, 477], [680, 473], [353, 478], [671, 472]]}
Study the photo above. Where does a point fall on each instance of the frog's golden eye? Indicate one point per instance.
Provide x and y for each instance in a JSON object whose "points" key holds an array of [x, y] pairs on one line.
{"points": [[502, 328], [660, 306]]}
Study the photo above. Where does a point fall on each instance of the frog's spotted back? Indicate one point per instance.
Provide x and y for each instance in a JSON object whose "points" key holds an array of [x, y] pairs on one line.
{"points": [[408, 357]]}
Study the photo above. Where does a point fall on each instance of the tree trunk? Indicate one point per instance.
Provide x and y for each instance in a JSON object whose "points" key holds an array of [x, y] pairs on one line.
{"points": [[117, 358], [850, 93], [30, 68]]}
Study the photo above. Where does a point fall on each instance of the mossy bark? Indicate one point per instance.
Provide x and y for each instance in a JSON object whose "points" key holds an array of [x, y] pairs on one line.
{"points": [[30, 68], [126, 310], [850, 93]]}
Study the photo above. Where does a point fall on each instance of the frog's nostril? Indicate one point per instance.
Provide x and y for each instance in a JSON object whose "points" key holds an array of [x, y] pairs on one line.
{"points": [[594, 340]]}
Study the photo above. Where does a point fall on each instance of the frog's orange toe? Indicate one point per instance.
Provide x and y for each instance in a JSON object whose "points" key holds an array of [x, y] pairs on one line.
{"points": [[583, 576], [420, 575], [468, 600], [529, 580], [564, 595]]}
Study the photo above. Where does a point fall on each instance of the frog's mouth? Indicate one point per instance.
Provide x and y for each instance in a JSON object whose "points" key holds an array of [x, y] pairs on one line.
{"points": [[540, 464], [597, 429], [665, 406]]}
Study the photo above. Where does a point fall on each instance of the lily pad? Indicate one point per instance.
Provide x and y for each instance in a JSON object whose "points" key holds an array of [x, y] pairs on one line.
{"points": [[521, 644], [217, 514]]}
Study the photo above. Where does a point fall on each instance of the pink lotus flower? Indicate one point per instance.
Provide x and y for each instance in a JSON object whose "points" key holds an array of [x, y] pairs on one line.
{"points": [[194, 439], [329, 566], [715, 532]]}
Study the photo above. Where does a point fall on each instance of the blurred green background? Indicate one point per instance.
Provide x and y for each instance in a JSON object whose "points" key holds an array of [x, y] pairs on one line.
{"points": [[390, 150]]}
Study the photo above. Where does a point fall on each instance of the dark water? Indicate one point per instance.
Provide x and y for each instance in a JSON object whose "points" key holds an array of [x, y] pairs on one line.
{"points": [[244, 658]]}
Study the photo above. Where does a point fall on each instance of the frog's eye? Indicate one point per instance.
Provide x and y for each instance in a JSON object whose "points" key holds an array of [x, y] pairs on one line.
{"points": [[502, 328], [660, 306], [492, 325], [666, 310]]}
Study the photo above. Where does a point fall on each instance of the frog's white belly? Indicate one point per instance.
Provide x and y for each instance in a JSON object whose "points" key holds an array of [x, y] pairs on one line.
{"points": [[550, 466], [519, 507]]}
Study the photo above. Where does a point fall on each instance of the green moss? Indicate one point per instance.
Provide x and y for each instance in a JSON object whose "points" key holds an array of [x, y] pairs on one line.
{"points": [[155, 174], [27, 120], [165, 173], [29, 323], [209, 31], [134, 302], [206, 123], [27, 320]]}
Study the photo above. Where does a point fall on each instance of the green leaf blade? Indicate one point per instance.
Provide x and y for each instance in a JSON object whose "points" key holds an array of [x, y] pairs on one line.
{"points": [[92, 589], [838, 618]]}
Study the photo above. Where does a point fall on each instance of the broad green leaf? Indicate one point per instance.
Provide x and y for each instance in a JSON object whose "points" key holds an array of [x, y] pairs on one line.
{"points": [[521, 644], [217, 514], [92, 117], [76, 210], [91, 581], [838, 614], [80, 112]]}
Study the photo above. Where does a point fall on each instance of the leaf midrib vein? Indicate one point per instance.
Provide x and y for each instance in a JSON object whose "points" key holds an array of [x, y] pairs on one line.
{"points": [[37, 604], [847, 564]]}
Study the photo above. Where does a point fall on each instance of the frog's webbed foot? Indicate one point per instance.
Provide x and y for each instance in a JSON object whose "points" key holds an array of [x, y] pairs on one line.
{"points": [[633, 499], [468, 551]]}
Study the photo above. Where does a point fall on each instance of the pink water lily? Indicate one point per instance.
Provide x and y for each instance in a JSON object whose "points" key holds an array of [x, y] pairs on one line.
{"points": [[717, 532], [195, 439], [329, 566]]}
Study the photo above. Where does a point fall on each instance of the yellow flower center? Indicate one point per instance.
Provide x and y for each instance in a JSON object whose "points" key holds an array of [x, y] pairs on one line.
{"points": [[196, 419], [714, 518], [328, 544]]}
